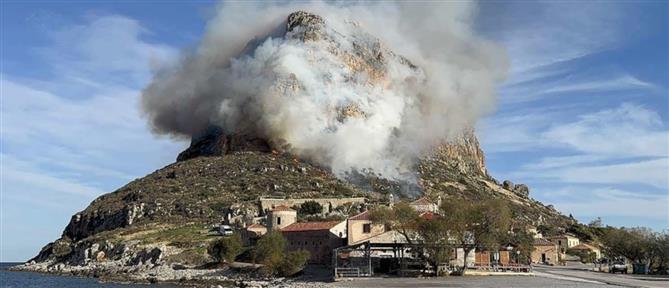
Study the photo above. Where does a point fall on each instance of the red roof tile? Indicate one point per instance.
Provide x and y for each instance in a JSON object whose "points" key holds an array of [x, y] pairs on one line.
{"points": [[282, 208], [361, 216], [428, 215], [310, 226]]}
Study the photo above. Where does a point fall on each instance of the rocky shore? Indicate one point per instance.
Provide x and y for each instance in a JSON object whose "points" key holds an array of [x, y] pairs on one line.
{"points": [[174, 274]]}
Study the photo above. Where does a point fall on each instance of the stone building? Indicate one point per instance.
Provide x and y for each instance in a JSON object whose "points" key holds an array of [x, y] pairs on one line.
{"points": [[360, 228], [267, 204], [424, 204], [545, 252], [280, 217], [564, 242], [319, 238], [250, 234]]}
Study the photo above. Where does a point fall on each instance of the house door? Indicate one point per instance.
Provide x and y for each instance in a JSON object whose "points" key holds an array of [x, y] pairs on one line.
{"points": [[543, 257]]}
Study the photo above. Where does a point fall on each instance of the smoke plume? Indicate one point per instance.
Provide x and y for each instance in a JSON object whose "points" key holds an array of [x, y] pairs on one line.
{"points": [[373, 86]]}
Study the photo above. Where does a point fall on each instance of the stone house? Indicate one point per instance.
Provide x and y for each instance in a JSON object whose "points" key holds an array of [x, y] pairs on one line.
{"points": [[360, 228], [424, 204], [250, 234], [319, 238], [280, 217], [564, 242], [544, 252]]}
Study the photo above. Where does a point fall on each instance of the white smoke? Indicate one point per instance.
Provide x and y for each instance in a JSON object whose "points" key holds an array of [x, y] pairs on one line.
{"points": [[292, 92]]}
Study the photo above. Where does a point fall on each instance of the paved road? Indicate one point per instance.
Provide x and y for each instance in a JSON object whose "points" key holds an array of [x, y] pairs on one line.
{"points": [[612, 279], [475, 281]]}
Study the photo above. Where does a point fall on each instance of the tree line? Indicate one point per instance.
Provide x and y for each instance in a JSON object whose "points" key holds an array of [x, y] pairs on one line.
{"points": [[458, 223]]}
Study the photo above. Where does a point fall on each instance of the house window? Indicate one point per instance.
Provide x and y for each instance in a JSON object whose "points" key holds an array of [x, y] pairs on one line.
{"points": [[366, 228], [278, 220], [560, 242]]}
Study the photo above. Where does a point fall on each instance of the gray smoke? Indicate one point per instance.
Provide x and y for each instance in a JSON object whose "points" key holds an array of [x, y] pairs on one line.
{"points": [[250, 76]]}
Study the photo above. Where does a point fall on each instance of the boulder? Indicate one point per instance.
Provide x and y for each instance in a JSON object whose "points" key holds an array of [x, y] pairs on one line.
{"points": [[522, 190], [508, 185]]}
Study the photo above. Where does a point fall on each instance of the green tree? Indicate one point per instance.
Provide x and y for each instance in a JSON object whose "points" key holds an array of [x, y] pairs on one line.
{"points": [[475, 225], [401, 218], [548, 230], [434, 234], [226, 248], [310, 208], [522, 240], [585, 256], [596, 223], [640, 245], [625, 243], [271, 252], [661, 248], [293, 262]]}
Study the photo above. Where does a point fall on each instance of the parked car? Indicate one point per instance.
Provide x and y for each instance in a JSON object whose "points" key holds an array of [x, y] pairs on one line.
{"points": [[225, 230], [618, 267], [222, 230]]}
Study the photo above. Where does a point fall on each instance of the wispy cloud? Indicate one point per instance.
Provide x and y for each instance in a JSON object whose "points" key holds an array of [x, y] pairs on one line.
{"points": [[18, 174], [626, 131], [649, 172], [621, 83], [112, 48], [608, 202], [68, 138], [575, 117], [571, 84], [540, 36]]}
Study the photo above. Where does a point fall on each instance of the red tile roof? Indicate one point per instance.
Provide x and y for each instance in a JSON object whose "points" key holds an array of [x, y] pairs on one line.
{"points": [[282, 208], [361, 216], [428, 215], [310, 226]]}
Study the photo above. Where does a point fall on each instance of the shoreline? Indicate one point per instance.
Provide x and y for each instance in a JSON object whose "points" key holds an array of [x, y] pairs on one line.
{"points": [[160, 274]]}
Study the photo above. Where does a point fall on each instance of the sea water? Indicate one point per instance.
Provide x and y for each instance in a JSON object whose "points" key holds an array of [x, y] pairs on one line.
{"points": [[36, 280]]}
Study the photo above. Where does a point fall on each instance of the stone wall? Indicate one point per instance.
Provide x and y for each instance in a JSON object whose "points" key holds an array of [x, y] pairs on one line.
{"points": [[267, 204]]}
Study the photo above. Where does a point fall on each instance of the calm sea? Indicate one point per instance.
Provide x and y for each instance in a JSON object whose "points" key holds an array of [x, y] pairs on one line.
{"points": [[35, 280]]}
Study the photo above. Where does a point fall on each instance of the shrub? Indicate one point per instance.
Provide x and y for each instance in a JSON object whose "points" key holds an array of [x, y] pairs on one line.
{"points": [[294, 262], [62, 248], [270, 251], [310, 208], [585, 256], [226, 249]]}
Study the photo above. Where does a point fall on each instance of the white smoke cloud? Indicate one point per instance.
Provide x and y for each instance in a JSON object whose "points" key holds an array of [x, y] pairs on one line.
{"points": [[250, 76]]}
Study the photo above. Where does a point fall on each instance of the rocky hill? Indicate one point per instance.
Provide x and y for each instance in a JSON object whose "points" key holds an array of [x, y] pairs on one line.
{"points": [[159, 222]]}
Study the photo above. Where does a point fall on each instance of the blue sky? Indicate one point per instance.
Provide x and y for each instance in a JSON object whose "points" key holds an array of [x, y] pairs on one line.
{"points": [[582, 117]]}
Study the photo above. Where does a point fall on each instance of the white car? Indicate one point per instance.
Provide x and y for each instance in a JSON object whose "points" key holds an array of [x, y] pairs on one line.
{"points": [[225, 230]]}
